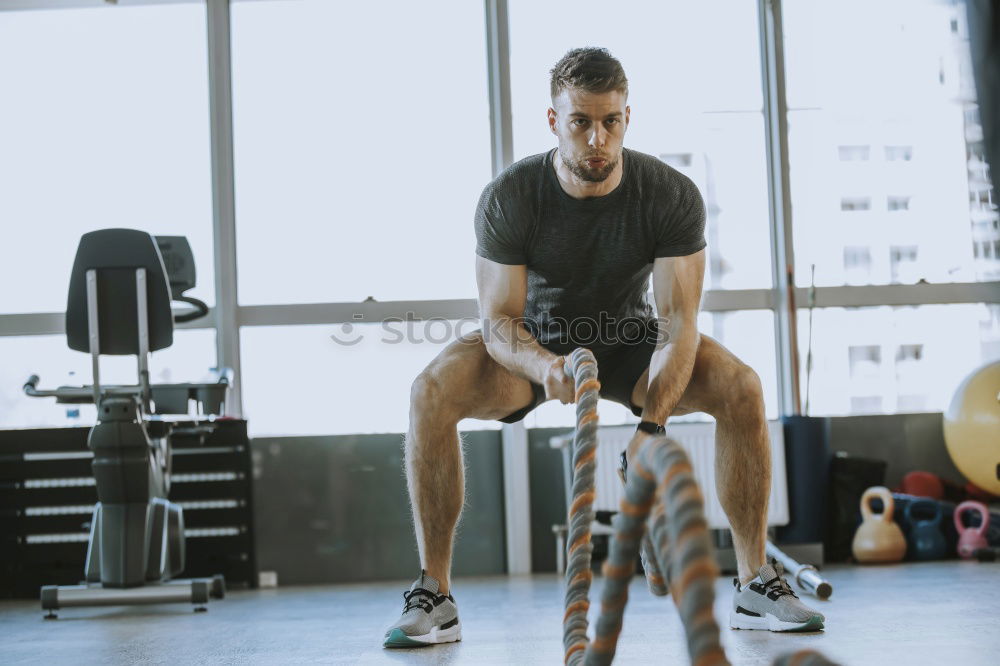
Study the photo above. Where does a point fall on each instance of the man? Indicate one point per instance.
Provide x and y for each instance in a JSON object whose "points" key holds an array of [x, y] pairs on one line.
{"points": [[566, 244]]}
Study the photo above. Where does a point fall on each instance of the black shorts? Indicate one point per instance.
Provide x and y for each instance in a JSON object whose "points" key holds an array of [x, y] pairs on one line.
{"points": [[618, 371]]}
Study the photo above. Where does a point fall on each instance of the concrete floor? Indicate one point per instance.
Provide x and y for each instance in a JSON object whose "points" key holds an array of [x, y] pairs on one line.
{"points": [[933, 613]]}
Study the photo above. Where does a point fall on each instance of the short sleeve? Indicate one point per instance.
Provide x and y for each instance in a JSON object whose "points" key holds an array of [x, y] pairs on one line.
{"points": [[498, 238], [682, 226]]}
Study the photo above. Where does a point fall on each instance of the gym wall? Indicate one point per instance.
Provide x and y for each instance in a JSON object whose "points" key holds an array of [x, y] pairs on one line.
{"points": [[335, 509]]}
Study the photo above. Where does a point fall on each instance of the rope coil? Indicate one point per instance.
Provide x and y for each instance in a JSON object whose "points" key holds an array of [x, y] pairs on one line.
{"points": [[660, 491]]}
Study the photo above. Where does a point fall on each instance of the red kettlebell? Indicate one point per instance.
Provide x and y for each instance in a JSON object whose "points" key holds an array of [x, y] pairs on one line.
{"points": [[971, 538], [923, 484]]}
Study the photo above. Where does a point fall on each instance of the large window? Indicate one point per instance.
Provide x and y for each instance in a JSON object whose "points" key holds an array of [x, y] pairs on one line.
{"points": [[888, 186], [892, 359], [920, 199], [311, 380], [187, 360], [104, 124], [362, 137], [362, 144], [694, 105], [356, 378]]}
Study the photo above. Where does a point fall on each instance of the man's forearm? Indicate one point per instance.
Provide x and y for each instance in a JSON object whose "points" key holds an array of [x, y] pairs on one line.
{"points": [[511, 345], [669, 373]]}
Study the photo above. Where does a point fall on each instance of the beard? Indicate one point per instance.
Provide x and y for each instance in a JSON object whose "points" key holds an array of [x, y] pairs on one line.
{"points": [[585, 172]]}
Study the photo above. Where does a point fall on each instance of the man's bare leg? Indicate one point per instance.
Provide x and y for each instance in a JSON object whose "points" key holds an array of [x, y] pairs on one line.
{"points": [[462, 382], [435, 477], [763, 600], [724, 387], [743, 471]]}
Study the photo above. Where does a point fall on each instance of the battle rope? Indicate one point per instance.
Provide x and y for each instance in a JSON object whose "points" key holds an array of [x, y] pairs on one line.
{"points": [[660, 489]]}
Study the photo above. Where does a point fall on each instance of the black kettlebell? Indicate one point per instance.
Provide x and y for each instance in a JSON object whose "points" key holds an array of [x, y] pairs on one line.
{"points": [[926, 542]]}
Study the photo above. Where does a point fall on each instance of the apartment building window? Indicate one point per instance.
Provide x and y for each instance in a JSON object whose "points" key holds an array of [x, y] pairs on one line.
{"points": [[907, 353], [864, 361], [869, 404], [902, 261], [857, 264], [899, 203], [898, 153], [910, 375], [855, 203], [911, 404], [990, 318], [981, 199], [854, 153]]}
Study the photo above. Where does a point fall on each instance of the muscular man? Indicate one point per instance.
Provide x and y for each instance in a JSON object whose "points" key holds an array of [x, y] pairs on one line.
{"points": [[566, 242]]}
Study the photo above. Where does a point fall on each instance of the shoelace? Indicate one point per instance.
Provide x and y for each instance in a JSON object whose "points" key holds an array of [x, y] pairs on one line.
{"points": [[776, 586], [415, 599], [779, 587], [782, 587]]}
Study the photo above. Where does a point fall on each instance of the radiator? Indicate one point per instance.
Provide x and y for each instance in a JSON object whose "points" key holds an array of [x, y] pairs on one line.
{"points": [[698, 440]]}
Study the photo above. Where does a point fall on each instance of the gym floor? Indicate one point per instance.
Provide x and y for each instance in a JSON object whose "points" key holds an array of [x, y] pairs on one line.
{"points": [[930, 613]]}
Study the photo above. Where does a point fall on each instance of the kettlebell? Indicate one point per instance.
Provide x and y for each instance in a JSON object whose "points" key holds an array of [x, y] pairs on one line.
{"points": [[971, 538], [923, 484], [926, 541], [878, 538]]}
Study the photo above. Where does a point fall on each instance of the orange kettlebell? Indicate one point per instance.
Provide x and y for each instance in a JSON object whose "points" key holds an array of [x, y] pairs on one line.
{"points": [[971, 538], [878, 538]]}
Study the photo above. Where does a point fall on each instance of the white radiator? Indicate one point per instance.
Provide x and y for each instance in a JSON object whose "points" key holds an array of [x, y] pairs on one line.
{"points": [[698, 440]]}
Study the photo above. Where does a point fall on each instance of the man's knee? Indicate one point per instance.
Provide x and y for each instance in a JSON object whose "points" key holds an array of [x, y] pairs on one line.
{"points": [[426, 392], [433, 396], [745, 395]]}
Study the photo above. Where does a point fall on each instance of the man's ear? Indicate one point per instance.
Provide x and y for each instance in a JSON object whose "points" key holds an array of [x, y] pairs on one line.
{"points": [[551, 113], [628, 112]]}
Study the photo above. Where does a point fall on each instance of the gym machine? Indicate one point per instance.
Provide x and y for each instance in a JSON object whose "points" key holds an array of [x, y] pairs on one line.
{"points": [[119, 304]]}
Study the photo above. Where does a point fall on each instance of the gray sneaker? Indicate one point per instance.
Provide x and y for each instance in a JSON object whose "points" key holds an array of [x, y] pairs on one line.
{"points": [[767, 602], [428, 617]]}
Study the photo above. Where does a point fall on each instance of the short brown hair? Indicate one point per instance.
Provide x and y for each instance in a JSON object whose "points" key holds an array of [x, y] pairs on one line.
{"points": [[590, 69]]}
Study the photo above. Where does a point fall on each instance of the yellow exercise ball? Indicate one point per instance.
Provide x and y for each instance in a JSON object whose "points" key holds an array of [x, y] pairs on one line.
{"points": [[972, 427]]}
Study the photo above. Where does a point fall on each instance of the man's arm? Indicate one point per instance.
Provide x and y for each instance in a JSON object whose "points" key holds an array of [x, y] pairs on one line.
{"points": [[677, 285], [503, 291]]}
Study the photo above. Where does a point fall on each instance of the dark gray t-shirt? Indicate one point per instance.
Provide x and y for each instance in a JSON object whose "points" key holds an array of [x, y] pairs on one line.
{"points": [[589, 260]]}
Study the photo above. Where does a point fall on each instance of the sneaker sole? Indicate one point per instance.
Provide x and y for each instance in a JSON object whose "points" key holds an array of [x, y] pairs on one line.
{"points": [[397, 639], [771, 623]]}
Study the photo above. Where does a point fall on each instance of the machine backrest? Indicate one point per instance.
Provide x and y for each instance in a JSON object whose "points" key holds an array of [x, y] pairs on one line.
{"points": [[116, 254]]}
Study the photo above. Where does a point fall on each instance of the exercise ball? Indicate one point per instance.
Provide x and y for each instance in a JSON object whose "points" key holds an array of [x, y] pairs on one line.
{"points": [[972, 427]]}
